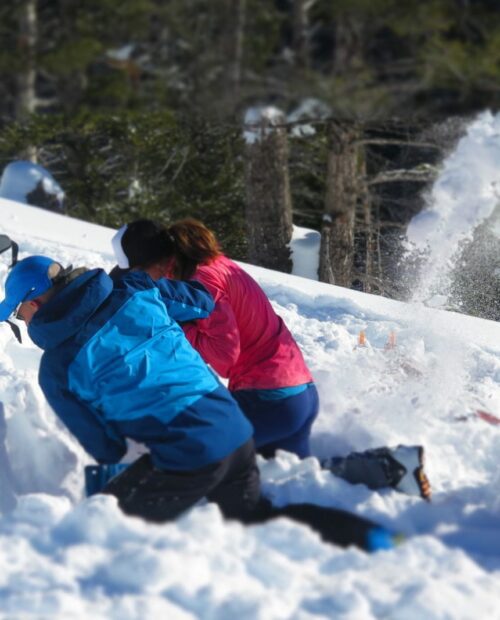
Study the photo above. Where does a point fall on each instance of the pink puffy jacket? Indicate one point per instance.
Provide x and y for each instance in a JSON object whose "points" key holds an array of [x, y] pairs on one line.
{"points": [[243, 339]]}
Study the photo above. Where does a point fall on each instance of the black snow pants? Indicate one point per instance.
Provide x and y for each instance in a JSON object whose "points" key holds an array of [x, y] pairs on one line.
{"points": [[234, 484], [160, 495]]}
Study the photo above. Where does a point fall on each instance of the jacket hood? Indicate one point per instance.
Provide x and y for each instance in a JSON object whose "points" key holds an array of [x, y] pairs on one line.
{"points": [[67, 312]]}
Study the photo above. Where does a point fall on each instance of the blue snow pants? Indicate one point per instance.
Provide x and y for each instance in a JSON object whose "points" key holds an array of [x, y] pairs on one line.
{"points": [[283, 424]]}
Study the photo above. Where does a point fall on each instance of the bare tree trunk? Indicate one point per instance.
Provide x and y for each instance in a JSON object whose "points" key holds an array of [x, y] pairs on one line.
{"points": [[342, 193], [368, 268], [268, 202], [70, 85], [231, 47], [300, 32], [239, 12], [370, 262], [348, 52], [365, 273], [25, 103], [26, 95]]}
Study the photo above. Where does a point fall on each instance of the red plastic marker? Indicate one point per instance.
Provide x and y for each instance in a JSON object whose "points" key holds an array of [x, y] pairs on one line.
{"points": [[488, 417]]}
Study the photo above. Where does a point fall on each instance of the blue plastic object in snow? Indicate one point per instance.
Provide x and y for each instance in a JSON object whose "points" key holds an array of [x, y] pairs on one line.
{"points": [[98, 476], [378, 539]]}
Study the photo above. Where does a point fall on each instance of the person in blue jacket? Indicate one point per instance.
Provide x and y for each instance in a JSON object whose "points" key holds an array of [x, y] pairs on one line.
{"points": [[116, 365]]}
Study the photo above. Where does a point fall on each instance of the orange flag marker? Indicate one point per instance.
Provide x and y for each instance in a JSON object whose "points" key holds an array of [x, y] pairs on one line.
{"points": [[391, 341]]}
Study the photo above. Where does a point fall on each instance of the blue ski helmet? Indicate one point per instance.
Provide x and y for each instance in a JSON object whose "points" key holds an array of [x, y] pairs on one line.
{"points": [[28, 279]]}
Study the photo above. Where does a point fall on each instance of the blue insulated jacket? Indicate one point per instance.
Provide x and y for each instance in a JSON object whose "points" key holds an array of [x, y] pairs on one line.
{"points": [[116, 364]]}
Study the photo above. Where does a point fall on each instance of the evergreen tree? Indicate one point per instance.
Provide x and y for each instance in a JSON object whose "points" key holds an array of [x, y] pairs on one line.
{"points": [[120, 167]]}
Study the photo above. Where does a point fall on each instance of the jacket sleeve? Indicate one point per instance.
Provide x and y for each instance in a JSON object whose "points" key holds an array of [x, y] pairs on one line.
{"points": [[185, 301], [217, 338], [96, 437]]}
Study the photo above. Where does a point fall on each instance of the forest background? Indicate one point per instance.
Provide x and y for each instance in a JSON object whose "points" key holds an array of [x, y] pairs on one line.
{"points": [[145, 108]]}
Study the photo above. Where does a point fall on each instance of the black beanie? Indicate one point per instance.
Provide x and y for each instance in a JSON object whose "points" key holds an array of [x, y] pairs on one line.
{"points": [[145, 242]]}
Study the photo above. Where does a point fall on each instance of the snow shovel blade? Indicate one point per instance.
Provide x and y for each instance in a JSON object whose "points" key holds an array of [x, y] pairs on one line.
{"points": [[5, 243]]}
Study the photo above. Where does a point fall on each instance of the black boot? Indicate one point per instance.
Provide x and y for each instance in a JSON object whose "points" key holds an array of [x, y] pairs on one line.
{"points": [[401, 468]]}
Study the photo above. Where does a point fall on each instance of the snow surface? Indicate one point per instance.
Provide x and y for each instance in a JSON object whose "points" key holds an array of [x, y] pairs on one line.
{"points": [[304, 246], [258, 120], [62, 556], [20, 178], [308, 108]]}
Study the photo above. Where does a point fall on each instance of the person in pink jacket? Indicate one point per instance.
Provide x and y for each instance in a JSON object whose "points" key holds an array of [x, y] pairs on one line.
{"points": [[243, 339], [247, 343]]}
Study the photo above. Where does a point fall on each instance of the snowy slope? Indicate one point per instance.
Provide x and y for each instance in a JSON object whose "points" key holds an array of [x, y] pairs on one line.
{"points": [[64, 557]]}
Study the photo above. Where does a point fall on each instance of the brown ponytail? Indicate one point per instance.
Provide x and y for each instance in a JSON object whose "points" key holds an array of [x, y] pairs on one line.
{"points": [[194, 244]]}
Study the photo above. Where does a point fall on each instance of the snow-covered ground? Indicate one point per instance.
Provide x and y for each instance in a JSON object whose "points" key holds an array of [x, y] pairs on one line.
{"points": [[62, 556]]}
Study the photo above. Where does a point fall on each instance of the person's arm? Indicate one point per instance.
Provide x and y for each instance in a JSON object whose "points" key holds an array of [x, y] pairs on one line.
{"points": [[217, 338], [185, 301], [96, 437]]}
